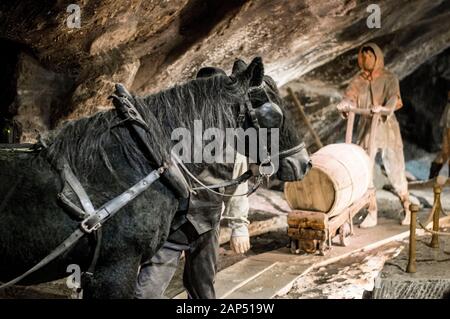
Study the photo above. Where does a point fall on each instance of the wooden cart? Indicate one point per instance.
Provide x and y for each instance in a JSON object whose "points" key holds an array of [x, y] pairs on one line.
{"points": [[311, 231], [337, 188]]}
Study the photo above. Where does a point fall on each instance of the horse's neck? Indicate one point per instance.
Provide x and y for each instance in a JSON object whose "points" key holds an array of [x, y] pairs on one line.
{"points": [[186, 120]]}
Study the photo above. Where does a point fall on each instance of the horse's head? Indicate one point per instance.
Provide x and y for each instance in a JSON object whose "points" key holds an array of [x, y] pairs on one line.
{"points": [[263, 107]]}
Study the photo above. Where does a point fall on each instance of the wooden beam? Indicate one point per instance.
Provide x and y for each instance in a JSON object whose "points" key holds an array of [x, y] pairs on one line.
{"points": [[305, 118]]}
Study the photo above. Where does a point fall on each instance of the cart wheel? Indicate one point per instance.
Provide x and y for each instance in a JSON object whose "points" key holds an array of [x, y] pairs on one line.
{"points": [[294, 246]]}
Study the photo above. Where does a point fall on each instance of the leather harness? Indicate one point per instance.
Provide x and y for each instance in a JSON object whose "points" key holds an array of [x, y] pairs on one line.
{"points": [[91, 219]]}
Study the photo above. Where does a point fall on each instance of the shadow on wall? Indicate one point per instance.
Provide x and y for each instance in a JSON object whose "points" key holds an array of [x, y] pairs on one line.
{"points": [[424, 94], [10, 130], [30, 94]]}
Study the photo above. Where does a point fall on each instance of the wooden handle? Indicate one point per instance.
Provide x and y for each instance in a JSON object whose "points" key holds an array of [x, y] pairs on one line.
{"points": [[305, 119], [349, 131]]}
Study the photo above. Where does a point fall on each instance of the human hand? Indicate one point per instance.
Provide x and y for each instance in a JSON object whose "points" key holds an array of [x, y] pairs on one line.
{"points": [[240, 244], [343, 106], [376, 109]]}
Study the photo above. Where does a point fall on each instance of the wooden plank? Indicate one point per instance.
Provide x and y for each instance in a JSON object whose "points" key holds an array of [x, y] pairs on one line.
{"points": [[256, 227], [306, 234], [237, 275], [293, 232], [234, 278], [307, 219], [284, 268], [279, 279], [350, 212], [310, 234]]}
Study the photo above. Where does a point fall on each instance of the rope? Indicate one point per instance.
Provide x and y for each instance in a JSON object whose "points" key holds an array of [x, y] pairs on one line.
{"points": [[433, 231]]}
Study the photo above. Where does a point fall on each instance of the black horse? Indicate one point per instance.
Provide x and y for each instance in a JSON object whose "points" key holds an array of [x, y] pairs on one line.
{"points": [[107, 159]]}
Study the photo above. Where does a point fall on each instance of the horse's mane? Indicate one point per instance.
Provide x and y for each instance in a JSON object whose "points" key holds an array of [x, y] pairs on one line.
{"points": [[208, 99], [82, 142]]}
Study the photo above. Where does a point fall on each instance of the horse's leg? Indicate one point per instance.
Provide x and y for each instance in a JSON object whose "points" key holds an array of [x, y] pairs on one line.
{"points": [[113, 280]]}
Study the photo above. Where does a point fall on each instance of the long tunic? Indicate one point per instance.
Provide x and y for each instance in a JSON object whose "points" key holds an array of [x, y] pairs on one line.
{"points": [[380, 88]]}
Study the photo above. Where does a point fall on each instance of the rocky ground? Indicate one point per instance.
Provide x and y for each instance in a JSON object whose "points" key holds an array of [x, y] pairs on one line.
{"points": [[349, 278], [431, 279]]}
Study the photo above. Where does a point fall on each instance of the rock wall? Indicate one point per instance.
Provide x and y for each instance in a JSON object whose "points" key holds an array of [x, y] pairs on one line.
{"points": [[151, 45], [425, 96]]}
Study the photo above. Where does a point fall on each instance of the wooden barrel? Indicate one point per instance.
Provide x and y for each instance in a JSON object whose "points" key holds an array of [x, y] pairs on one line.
{"points": [[339, 176]]}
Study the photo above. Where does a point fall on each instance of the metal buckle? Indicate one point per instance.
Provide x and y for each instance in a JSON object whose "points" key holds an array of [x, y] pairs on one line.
{"points": [[263, 165], [241, 118], [267, 164], [85, 227]]}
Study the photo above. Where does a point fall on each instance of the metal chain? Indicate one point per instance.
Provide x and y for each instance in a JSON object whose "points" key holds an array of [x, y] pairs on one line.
{"points": [[433, 231]]}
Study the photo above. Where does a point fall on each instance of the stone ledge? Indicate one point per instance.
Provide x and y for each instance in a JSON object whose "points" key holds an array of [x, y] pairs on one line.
{"points": [[431, 281]]}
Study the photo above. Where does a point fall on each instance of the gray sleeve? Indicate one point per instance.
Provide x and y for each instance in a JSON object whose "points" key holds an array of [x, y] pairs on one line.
{"points": [[236, 208]]}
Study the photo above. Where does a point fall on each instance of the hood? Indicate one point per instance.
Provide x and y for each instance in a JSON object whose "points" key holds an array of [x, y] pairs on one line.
{"points": [[379, 63]]}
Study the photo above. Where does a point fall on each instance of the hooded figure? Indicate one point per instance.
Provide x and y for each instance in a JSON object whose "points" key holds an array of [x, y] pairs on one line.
{"points": [[377, 89]]}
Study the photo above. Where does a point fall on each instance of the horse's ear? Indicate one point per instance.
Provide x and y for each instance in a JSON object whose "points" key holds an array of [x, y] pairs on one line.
{"points": [[208, 71], [255, 72], [238, 66]]}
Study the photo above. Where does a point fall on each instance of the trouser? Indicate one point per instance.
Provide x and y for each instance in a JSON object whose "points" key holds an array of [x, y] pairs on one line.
{"points": [[199, 271], [389, 141]]}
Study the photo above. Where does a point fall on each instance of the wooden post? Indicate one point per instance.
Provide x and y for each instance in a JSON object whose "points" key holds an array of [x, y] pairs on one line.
{"points": [[349, 131], [305, 119], [437, 203], [411, 268], [372, 138]]}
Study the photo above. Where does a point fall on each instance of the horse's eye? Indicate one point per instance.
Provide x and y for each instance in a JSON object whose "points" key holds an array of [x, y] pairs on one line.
{"points": [[258, 98]]}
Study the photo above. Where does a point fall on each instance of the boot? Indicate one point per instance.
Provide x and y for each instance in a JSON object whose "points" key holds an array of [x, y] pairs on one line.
{"points": [[371, 219], [435, 169], [407, 219]]}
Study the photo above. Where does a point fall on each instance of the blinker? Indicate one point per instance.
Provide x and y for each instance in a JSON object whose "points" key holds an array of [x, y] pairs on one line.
{"points": [[269, 115]]}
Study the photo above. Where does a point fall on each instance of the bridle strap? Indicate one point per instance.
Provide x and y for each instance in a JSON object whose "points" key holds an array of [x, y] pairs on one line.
{"points": [[289, 152], [130, 113], [251, 113], [127, 107], [239, 180], [247, 108], [243, 178]]}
